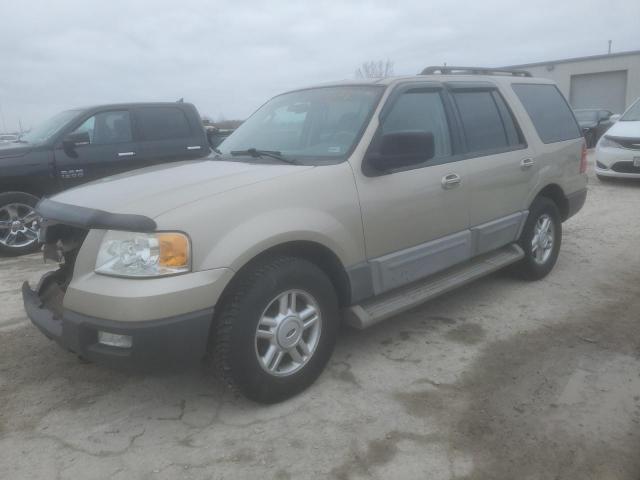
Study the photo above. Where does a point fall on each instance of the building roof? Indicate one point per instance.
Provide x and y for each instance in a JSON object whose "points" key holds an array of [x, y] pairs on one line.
{"points": [[576, 59]]}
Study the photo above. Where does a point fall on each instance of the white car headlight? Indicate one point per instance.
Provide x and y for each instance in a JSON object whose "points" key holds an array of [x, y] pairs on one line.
{"points": [[131, 254]]}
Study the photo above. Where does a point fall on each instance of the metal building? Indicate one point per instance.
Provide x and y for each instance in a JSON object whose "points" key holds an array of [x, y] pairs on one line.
{"points": [[611, 81]]}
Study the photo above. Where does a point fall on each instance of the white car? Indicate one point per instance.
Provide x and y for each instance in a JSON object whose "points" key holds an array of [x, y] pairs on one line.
{"points": [[618, 151]]}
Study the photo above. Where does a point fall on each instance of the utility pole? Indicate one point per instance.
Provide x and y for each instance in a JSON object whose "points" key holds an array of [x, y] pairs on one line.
{"points": [[609, 52]]}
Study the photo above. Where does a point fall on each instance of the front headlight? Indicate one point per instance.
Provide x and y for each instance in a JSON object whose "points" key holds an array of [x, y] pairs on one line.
{"points": [[607, 142], [131, 254]]}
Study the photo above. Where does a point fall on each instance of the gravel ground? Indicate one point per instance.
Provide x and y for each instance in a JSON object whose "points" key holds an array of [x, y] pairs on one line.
{"points": [[502, 379]]}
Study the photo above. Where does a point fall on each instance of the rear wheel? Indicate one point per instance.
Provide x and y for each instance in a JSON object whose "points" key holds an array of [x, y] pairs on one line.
{"points": [[19, 223], [541, 238], [276, 329]]}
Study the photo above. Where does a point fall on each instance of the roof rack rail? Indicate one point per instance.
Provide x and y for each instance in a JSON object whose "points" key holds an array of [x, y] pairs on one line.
{"points": [[446, 70]]}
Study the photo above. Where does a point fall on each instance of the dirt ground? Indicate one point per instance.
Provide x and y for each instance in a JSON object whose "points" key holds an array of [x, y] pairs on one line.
{"points": [[502, 379]]}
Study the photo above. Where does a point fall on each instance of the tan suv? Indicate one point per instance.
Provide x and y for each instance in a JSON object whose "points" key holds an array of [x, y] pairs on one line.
{"points": [[350, 201]]}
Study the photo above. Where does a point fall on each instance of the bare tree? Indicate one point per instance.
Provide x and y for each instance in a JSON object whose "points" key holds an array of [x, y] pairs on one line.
{"points": [[375, 69]]}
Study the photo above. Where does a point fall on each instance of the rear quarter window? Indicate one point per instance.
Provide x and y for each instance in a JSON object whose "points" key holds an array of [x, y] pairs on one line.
{"points": [[549, 112]]}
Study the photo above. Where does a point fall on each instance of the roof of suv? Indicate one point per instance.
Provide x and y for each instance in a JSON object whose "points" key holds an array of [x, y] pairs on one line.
{"points": [[452, 77]]}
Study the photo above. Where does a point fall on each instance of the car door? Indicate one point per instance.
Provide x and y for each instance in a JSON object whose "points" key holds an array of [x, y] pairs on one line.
{"points": [[109, 149], [415, 219], [501, 169], [167, 135]]}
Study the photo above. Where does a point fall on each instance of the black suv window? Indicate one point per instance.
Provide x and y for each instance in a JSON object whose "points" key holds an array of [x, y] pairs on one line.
{"points": [[549, 112], [107, 127], [160, 123], [484, 128], [420, 111]]}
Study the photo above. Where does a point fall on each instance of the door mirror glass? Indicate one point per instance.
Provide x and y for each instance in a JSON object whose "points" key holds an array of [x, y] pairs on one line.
{"points": [[602, 116], [402, 149]]}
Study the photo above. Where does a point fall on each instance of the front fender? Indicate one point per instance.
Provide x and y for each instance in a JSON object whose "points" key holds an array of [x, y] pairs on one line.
{"points": [[256, 235]]}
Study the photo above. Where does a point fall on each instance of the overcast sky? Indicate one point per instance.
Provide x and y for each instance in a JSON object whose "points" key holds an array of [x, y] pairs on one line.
{"points": [[229, 57]]}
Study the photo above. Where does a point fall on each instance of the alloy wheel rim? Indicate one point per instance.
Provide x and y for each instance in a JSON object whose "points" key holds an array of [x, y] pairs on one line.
{"points": [[543, 239], [18, 225], [288, 333]]}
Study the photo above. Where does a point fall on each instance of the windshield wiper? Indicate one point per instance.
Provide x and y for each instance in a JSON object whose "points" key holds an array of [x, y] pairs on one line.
{"points": [[256, 153]]}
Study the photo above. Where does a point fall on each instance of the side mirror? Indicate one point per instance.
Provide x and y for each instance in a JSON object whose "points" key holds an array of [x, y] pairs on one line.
{"points": [[76, 139], [402, 149], [614, 118]]}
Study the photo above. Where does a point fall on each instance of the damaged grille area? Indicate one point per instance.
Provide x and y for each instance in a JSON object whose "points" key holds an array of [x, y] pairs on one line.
{"points": [[61, 244]]}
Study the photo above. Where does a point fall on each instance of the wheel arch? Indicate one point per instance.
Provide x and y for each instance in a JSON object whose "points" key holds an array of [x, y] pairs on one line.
{"points": [[318, 254], [555, 193]]}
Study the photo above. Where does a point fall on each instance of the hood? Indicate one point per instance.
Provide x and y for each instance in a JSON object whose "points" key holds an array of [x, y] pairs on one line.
{"points": [[13, 149], [154, 190], [624, 129]]}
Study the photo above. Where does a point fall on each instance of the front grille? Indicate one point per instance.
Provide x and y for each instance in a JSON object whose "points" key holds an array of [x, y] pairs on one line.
{"points": [[625, 167], [627, 142]]}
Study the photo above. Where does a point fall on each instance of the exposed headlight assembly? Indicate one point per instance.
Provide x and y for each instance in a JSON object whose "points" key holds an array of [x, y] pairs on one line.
{"points": [[135, 255]]}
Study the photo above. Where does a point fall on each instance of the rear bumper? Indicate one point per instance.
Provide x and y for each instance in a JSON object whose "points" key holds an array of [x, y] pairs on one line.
{"points": [[167, 342], [576, 202]]}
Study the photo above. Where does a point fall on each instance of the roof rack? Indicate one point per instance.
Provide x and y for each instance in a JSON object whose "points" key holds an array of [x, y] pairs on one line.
{"points": [[446, 70]]}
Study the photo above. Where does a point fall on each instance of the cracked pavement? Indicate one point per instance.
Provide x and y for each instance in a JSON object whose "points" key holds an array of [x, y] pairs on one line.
{"points": [[501, 379]]}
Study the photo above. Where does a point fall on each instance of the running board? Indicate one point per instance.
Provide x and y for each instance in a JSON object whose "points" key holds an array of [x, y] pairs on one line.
{"points": [[388, 304]]}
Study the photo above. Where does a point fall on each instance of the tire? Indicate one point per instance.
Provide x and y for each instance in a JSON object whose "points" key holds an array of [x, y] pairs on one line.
{"points": [[241, 354], [18, 206], [539, 261]]}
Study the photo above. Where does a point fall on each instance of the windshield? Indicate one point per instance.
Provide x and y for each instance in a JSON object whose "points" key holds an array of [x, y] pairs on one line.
{"points": [[47, 129], [314, 126], [586, 115], [633, 113]]}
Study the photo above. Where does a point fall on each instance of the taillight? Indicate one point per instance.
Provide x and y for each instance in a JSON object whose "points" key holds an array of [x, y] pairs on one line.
{"points": [[583, 158]]}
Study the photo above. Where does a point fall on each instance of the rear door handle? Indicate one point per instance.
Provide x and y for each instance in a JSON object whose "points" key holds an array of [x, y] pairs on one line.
{"points": [[126, 154], [526, 163], [194, 147], [451, 180]]}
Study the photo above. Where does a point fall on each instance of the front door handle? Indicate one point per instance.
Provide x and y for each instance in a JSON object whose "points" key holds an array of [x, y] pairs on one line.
{"points": [[451, 180], [526, 163], [126, 154]]}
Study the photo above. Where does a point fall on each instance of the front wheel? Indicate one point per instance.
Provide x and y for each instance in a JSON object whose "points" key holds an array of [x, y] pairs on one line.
{"points": [[541, 238], [19, 223], [276, 330]]}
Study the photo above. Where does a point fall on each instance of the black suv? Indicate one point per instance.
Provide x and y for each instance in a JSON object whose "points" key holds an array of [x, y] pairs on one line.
{"points": [[80, 145]]}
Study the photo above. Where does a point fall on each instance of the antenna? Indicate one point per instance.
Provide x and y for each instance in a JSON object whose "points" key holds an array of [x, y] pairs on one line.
{"points": [[609, 52]]}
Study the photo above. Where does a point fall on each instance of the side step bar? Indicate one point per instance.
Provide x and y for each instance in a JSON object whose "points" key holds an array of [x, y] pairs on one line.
{"points": [[404, 298]]}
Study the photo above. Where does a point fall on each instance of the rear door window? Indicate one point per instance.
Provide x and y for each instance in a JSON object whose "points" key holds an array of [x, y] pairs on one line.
{"points": [[483, 127], [549, 112], [162, 123]]}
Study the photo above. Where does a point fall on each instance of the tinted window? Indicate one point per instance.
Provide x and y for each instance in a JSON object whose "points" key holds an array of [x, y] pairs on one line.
{"points": [[549, 112], [163, 123], [107, 127], [481, 121], [420, 111]]}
